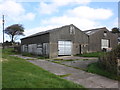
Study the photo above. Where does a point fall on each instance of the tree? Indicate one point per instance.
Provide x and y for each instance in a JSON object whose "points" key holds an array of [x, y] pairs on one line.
{"points": [[115, 30], [14, 31]]}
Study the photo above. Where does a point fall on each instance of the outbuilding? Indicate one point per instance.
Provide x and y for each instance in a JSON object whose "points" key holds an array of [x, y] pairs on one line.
{"points": [[101, 39], [65, 40]]}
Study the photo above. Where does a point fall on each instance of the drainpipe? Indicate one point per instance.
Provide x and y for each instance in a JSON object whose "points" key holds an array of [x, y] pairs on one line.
{"points": [[88, 42]]}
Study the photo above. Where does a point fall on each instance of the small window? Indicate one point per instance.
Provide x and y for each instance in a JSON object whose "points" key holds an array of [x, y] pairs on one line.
{"points": [[105, 33], [72, 30]]}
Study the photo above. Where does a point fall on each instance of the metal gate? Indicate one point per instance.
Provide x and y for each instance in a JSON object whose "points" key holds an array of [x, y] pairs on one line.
{"points": [[64, 47]]}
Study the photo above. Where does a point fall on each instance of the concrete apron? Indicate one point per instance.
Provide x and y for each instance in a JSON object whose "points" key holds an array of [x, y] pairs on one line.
{"points": [[86, 79], [75, 57], [78, 76]]}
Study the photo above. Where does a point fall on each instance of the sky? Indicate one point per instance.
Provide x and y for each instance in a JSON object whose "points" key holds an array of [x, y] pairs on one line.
{"points": [[41, 15]]}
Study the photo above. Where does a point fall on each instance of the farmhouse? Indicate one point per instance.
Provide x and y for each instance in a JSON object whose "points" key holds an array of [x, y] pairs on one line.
{"points": [[101, 39], [66, 40]]}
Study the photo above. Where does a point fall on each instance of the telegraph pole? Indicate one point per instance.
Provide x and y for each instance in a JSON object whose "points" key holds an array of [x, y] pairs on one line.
{"points": [[3, 30]]}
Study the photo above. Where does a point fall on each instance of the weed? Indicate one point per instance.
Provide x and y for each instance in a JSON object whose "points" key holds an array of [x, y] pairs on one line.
{"points": [[65, 75]]}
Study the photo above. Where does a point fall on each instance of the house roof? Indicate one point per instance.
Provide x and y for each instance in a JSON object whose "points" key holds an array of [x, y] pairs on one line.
{"points": [[48, 31], [92, 31]]}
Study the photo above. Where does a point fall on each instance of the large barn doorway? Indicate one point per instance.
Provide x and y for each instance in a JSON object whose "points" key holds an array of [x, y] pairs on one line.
{"points": [[64, 47], [104, 44]]}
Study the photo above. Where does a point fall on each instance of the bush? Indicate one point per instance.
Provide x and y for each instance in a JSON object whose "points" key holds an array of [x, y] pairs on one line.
{"points": [[109, 60], [17, 48]]}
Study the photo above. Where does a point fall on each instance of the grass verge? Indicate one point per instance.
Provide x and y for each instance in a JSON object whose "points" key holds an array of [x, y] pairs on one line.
{"points": [[35, 56], [65, 75], [18, 73], [95, 68], [93, 54]]}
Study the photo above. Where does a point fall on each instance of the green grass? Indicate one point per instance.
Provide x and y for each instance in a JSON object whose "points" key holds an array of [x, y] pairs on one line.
{"points": [[95, 68], [18, 73], [58, 59], [93, 54], [27, 54], [35, 56], [65, 75]]}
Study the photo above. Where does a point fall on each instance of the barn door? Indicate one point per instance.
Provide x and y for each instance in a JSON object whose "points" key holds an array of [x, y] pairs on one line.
{"points": [[64, 47], [104, 43], [45, 48]]}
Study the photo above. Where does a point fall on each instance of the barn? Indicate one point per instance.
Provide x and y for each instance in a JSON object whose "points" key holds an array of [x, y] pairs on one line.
{"points": [[101, 39], [65, 40]]}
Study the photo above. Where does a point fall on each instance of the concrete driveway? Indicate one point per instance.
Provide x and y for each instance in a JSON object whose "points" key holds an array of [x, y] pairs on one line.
{"points": [[74, 61], [86, 79], [75, 57]]}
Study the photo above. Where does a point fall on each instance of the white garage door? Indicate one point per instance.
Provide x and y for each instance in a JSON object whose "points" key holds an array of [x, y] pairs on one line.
{"points": [[104, 43], [64, 47]]}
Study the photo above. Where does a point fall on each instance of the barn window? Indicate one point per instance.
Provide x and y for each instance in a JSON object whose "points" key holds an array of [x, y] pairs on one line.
{"points": [[72, 30], [105, 33], [105, 43], [39, 45]]}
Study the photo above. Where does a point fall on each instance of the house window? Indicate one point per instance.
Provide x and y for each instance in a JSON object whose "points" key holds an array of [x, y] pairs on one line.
{"points": [[105, 33], [72, 30]]}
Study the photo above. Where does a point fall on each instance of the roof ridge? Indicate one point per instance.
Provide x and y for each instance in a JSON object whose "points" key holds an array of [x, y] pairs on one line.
{"points": [[95, 29]]}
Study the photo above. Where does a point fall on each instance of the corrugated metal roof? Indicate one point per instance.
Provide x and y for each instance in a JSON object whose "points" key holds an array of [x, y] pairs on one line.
{"points": [[92, 31]]}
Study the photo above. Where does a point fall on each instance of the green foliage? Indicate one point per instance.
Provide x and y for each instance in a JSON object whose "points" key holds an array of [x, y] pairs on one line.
{"points": [[65, 75], [14, 31], [58, 59], [8, 51], [18, 73], [115, 30], [109, 60], [42, 57], [93, 54], [27, 54], [96, 68]]}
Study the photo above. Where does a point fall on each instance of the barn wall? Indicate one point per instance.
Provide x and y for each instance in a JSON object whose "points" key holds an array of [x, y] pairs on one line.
{"points": [[78, 38], [38, 45], [95, 40], [36, 49]]}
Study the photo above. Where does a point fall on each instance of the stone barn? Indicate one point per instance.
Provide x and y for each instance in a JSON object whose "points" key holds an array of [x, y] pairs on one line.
{"points": [[101, 39], [66, 40]]}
